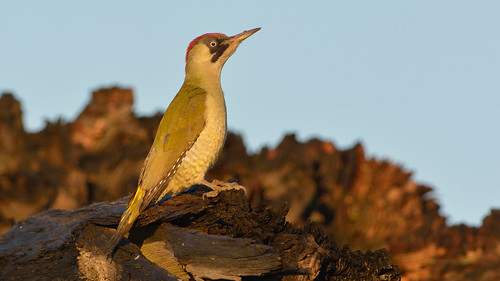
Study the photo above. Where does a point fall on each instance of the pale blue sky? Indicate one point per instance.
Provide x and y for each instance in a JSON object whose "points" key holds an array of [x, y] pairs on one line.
{"points": [[415, 81]]}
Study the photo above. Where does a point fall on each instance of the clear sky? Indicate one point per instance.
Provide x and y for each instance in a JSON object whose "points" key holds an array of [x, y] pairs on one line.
{"points": [[417, 82]]}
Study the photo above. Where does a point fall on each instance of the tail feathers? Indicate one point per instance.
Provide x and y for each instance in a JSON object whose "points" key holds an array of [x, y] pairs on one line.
{"points": [[127, 220]]}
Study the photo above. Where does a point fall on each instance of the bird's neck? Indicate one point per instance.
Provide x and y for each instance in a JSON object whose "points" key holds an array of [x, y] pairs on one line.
{"points": [[205, 78], [209, 81]]}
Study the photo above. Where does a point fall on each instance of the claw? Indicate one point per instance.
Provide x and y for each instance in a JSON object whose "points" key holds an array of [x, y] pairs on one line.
{"points": [[219, 186]]}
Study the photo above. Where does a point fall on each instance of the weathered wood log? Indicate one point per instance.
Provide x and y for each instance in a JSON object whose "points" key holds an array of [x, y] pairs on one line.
{"points": [[185, 237]]}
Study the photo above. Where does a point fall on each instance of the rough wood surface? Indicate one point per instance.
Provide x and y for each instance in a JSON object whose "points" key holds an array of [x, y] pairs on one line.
{"points": [[185, 237]]}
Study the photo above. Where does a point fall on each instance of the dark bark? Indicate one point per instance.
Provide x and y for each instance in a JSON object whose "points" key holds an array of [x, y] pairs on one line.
{"points": [[187, 236]]}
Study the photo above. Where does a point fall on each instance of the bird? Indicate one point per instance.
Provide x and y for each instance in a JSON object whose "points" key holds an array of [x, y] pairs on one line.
{"points": [[191, 133]]}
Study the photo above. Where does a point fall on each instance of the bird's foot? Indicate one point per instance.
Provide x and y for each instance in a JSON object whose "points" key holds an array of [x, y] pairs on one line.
{"points": [[219, 186]]}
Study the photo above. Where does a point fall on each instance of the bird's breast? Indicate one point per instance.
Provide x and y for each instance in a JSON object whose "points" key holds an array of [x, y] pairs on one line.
{"points": [[206, 148]]}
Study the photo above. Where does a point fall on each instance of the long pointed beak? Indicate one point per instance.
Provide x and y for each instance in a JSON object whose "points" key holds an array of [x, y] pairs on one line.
{"points": [[238, 38], [229, 45]]}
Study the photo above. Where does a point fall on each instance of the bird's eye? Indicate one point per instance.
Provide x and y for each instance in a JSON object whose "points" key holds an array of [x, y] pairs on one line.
{"points": [[213, 44]]}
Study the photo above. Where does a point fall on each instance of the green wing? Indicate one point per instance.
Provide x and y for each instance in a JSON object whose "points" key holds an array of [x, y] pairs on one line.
{"points": [[179, 128]]}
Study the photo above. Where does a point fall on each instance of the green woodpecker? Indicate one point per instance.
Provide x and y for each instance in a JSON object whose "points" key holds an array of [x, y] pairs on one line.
{"points": [[191, 133]]}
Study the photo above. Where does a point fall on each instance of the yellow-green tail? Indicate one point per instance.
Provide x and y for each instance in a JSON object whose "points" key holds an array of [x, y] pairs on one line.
{"points": [[127, 220]]}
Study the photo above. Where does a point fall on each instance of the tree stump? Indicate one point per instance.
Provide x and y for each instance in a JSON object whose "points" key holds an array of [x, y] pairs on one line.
{"points": [[187, 237]]}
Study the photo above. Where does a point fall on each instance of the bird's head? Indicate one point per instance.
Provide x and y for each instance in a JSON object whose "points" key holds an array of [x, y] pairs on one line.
{"points": [[208, 52]]}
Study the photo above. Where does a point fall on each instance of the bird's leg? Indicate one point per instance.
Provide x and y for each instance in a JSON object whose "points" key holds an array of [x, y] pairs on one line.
{"points": [[219, 186]]}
